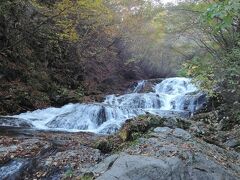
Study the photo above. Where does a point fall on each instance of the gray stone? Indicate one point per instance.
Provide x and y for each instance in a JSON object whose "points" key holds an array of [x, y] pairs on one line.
{"points": [[232, 143], [103, 166], [129, 167], [134, 167], [13, 169], [203, 168], [165, 130], [180, 133]]}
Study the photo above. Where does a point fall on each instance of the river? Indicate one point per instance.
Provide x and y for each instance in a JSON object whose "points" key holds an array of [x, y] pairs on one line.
{"points": [[176, 96]]}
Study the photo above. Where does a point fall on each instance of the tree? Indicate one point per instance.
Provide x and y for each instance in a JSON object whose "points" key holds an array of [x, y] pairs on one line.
{"points": [[144, 28], [220, 23], [65, 15]]}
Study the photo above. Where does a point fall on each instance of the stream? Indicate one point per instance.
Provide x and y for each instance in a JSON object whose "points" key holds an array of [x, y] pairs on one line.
{"points": [[170, 97]]}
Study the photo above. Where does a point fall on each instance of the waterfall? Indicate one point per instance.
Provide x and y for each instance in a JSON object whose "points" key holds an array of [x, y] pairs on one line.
{"points": [[140, 85], [171, 95]]}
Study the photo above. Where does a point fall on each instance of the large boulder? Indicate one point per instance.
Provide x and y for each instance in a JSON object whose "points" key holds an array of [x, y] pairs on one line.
{"points": [[135, 167]]}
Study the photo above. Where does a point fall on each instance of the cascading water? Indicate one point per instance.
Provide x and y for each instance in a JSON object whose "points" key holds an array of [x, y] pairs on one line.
{"points": [[139, 86], [171, 95]]}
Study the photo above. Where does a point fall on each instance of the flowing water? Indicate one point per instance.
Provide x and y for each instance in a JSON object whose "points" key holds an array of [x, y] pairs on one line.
{"points": [[12, 169], [169, 97], [139, 86]]}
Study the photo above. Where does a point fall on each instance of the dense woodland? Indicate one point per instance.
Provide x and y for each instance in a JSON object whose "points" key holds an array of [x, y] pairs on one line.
{"points": [[63, 51]]}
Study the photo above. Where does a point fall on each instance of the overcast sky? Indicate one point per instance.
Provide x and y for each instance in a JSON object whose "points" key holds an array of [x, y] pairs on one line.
{"points": [[169, 1]]}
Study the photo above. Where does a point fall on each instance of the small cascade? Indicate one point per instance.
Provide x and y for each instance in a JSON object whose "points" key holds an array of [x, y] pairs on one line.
{"points": [[170, 97], [179, 94], [140, 85]]}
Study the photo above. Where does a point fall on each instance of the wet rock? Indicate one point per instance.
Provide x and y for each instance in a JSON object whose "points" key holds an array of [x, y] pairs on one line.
{"points": [[14, 122], [212, 103], [193, 102], [13, 169], [51, 154], [101, 116], [111, 128], [144, 87]]}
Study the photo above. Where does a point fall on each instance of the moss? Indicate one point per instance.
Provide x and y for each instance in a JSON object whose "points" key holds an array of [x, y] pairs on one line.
{"points": [[125, 134], [184, 124], [68, 174], [139, 125], [136, 135], [128, 135], [87, 176], [237, 149], [104, 145]]}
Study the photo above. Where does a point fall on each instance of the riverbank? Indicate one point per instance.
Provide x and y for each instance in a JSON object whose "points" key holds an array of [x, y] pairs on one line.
{"points": [[165, 127], [175, 148]]}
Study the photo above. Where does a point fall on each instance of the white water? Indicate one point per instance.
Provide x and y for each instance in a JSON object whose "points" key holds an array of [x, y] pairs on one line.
{"points": [[11, 168], [171, 95], [139, 86]]}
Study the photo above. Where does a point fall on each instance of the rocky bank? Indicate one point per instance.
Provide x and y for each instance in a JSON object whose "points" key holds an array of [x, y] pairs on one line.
{"points": [[147, 147]]}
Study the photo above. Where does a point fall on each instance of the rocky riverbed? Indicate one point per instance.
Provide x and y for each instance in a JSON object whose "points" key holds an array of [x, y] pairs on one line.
{"points": [[147, 147]]}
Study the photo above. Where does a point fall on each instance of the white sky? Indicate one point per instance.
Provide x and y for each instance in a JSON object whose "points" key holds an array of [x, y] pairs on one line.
{"points": [[168, 1]]}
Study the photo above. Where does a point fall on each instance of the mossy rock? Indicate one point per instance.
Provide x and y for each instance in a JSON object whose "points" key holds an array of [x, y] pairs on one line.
{"points": [[125, 134], [183, 124], [88, 176], [139, 125], [105, 145], [130, 131], [155, 121]]}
